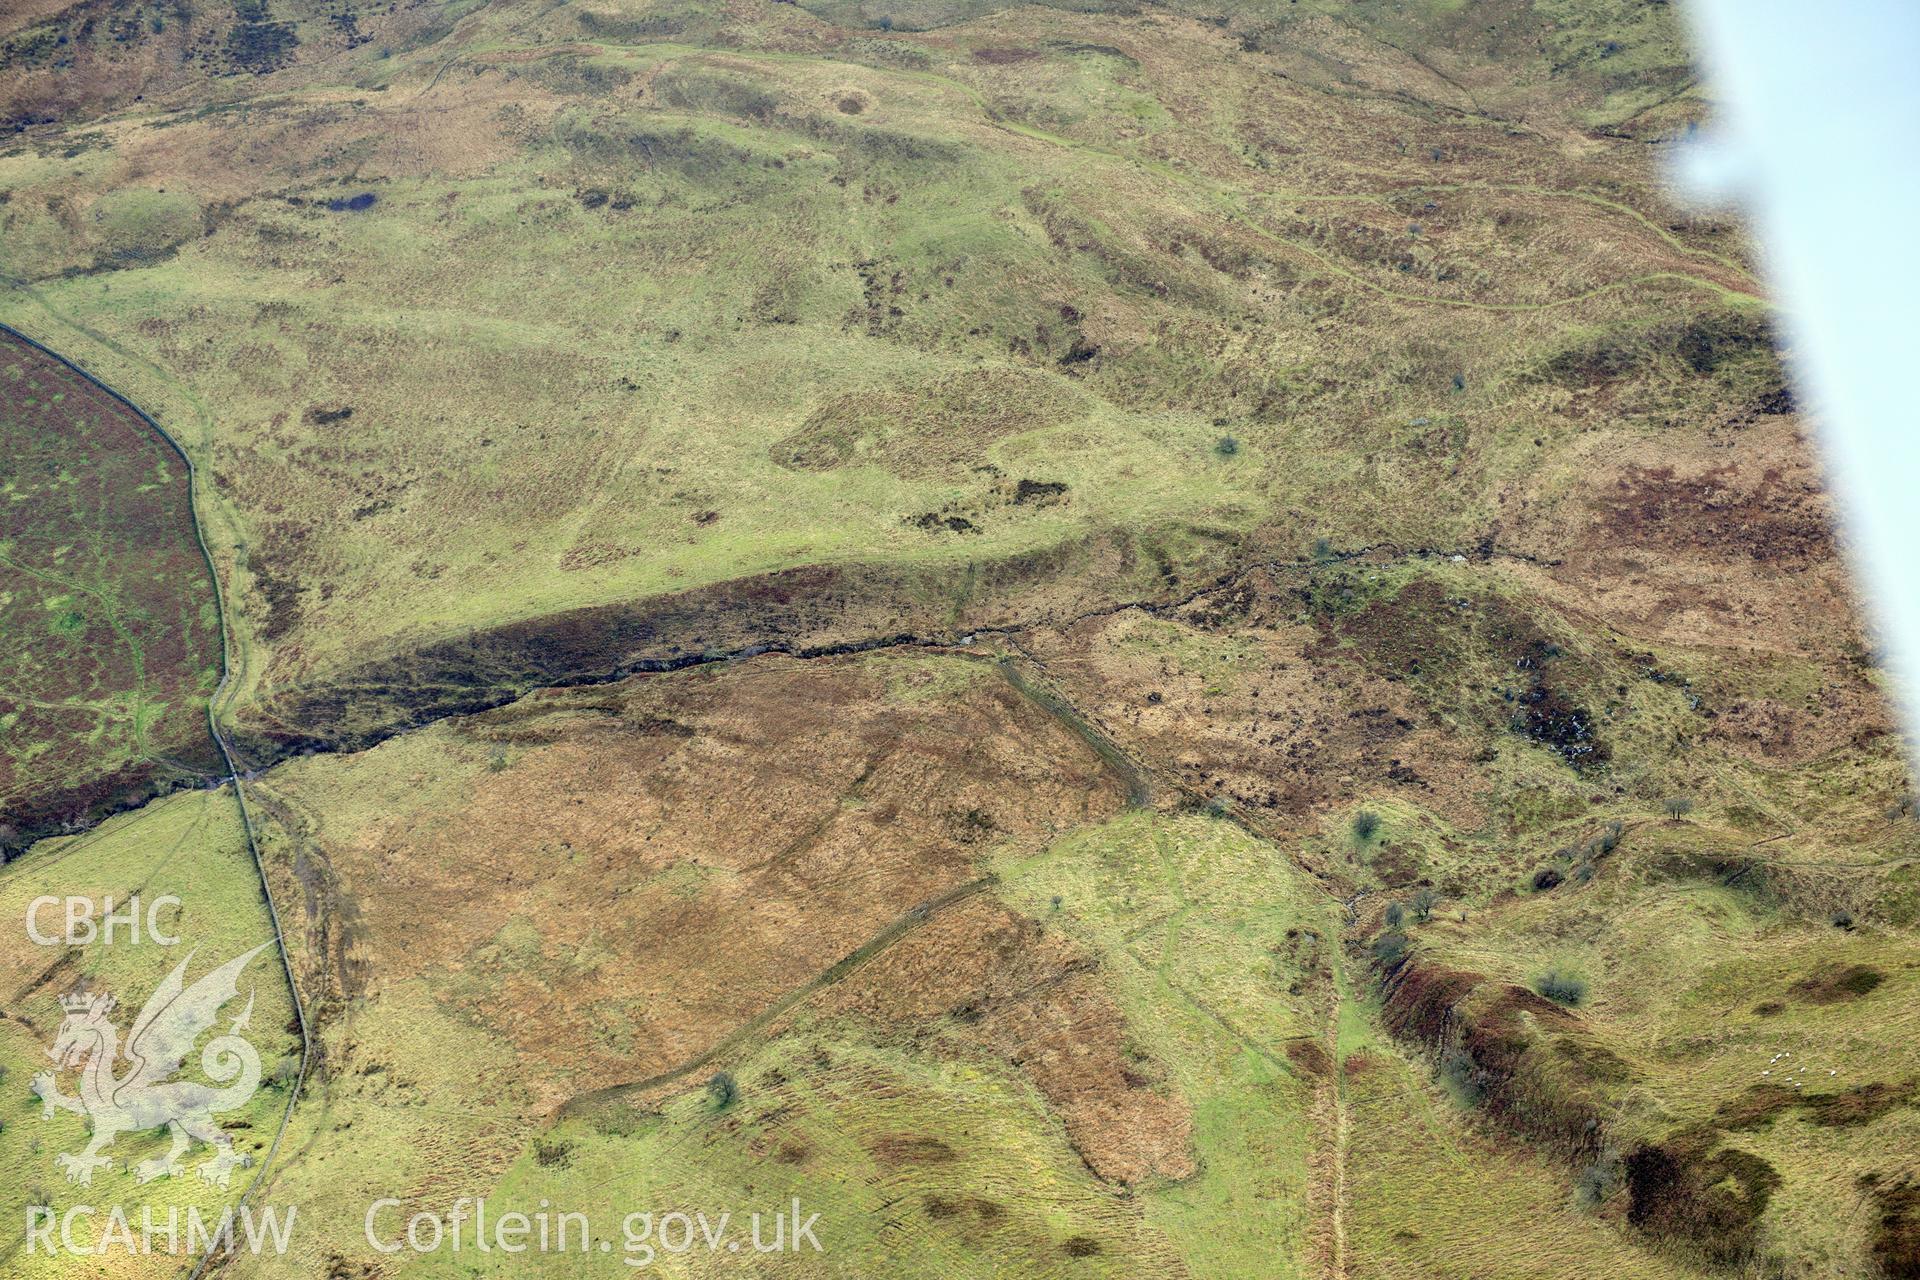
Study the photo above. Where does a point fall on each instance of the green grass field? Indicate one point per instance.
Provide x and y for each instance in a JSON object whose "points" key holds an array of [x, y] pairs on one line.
{"points": [[188, 847]]}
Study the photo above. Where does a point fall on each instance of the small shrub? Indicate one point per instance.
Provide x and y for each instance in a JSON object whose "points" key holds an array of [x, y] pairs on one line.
{"points": [[1366, 824], [722, 1090], [1227, 447], [1678, 807], [1547, 878], [1561, 988], [1843, 920], [1322, 550], [975, 824], [1396, 915], [1462, 1075], [1390, 950], [1424, 900], [1597, 1183]]}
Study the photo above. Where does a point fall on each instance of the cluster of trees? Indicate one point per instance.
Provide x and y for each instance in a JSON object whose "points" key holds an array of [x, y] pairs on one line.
{"points": [[1420, 906], [1560, 988], [1391, 947]]}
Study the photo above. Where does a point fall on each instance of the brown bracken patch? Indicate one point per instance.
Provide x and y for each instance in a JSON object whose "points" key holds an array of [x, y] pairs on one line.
{"points": [[1310, 1056], [1773, 519], [1756, 1107], [1862, 1104], [912, 1149], [1690, 1191], [1526, 1057], [1034, 999], [1838, 983], [614, 824], [1896, 1235]]}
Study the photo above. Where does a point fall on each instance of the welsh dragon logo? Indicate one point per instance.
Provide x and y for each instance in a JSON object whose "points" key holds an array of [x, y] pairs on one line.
{"points": [[139, 1098]]}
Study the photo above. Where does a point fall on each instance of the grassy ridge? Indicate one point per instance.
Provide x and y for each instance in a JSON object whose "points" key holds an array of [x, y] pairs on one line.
{"points": [[1218, 950]]}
